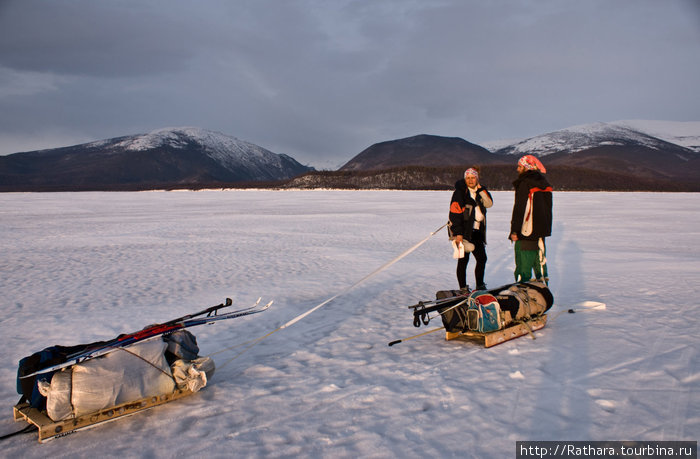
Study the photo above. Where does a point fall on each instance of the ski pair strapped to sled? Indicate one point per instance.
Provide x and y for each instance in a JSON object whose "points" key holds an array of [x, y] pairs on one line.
{"points": [[53, 428], [206, 316]]}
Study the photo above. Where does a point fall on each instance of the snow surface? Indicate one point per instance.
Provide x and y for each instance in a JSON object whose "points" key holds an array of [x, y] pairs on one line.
{"points": [[80, 267]]}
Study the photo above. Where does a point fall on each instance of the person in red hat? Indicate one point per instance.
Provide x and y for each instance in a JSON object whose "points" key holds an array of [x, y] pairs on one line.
{"points": [[531, 221], [467, 226]]}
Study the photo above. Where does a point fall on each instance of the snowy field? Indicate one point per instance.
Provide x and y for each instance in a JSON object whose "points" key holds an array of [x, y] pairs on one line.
{"points": [[81, 267]]}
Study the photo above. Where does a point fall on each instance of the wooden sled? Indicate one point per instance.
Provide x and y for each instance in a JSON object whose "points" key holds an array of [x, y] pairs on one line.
{"points": [[500, 336], [49, 429]]}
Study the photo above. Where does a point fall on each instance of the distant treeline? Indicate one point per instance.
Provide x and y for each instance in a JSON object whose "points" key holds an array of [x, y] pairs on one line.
{"points": [[495, 177]]}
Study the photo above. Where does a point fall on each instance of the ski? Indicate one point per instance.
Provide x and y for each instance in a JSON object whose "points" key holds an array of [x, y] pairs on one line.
{"points": [[228, 315], [210, 315]]}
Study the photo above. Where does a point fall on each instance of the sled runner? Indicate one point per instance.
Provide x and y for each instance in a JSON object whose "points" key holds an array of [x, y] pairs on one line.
{"points": [[490, 316], [50, 429], [115, 385], [500, 336]]}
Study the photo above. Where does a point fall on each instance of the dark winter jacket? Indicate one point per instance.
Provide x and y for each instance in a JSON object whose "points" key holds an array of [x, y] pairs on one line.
{"points": [[462, 210], [532, 186]]}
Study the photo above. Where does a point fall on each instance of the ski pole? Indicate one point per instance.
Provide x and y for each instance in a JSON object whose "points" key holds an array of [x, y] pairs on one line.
{"points": [[422, 314], [582, 307], [426, 320], [415, 336], [429, 331]]}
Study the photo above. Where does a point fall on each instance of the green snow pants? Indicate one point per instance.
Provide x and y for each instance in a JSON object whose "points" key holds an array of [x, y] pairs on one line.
{"points": [[529, 257]]}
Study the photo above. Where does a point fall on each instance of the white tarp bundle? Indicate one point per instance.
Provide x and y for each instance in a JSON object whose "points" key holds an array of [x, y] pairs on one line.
{"points": [[193, 374], [125, 375]]}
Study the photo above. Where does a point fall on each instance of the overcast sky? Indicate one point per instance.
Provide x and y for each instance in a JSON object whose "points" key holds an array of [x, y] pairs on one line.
{"points": [[321, 80]]}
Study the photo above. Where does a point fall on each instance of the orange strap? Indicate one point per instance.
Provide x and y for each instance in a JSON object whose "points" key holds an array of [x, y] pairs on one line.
{"points": [[529, 197]]}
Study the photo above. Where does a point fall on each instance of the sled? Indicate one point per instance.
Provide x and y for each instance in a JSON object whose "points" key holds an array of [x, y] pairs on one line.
{"points": [[49, 429], [501, 336]]}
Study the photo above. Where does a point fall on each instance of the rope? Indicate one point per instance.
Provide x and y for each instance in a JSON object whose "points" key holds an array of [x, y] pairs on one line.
{"points": [[147, 361], [530, 331], [347, 289], [525, 301], [230, 348]]}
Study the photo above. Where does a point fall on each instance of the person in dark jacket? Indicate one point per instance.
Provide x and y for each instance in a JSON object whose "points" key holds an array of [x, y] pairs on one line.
{"points": [[531, 222], [467, 226]]}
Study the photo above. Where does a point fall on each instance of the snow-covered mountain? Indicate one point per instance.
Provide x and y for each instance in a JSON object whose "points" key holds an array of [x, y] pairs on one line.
{"points": [[661, 151], [164, 157], [652, 149], [234, 154], [586, 137], [683, 133]]}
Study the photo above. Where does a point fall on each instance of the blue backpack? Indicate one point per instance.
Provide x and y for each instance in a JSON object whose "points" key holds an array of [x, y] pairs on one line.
{"points": [[483, 313]]}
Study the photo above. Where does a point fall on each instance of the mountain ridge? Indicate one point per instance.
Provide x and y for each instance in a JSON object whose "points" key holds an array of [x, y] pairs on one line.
{"points": [[419, 150], [160, 158], [682, 133], [597, 156], [637, 153], [587, 136], [609, 147]]}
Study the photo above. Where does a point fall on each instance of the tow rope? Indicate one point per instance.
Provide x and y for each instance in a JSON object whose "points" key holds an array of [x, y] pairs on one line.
{"points": [[320, 305]]}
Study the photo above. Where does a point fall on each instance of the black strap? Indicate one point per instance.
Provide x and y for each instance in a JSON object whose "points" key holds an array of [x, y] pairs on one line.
{"points": [[29, 428], [544, 291]]}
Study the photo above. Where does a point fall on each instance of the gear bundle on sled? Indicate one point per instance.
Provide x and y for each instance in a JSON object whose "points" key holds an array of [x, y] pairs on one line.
{"points": [[70, 388], [491, 316]]}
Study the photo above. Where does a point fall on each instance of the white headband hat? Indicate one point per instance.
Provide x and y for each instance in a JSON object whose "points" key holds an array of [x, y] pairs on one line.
{"points": [[471, 171]]}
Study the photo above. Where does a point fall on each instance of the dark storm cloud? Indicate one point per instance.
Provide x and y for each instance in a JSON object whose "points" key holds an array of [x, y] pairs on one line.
{"points": [[322, 80]]}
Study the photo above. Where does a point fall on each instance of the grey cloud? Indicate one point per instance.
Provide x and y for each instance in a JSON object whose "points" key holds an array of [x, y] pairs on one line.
{"points": [[83, 37], [323, 80]]}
